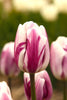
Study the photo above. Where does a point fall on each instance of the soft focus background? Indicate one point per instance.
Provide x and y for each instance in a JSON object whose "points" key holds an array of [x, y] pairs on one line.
{"points": [[50, 13]]}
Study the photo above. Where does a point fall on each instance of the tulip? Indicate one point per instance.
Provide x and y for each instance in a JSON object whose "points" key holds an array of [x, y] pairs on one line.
{"points": [[7, 65], [58, 59], [31, 47], [5, 91], [43, 86]]}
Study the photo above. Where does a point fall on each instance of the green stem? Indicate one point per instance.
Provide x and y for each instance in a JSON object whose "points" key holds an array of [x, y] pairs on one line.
{"points": [[32, 80], [64, 90]]}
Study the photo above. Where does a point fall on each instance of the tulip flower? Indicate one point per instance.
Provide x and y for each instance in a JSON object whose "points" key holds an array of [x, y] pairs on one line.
{"points": [[7, 65], [58, 59], [31, 47], [5, 91], [43, 86]]}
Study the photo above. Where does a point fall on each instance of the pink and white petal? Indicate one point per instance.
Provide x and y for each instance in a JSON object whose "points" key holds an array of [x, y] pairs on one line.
{"points": [[11, 48], [47, 84], [27, 86], [5, 61], [57, 54], [42, 43], [21, 59], [39, 88], [4, 91], [47, 56], [32, 49], [25, 67], [62, 41], [29, 31], [26, 77], [43, 30], [41, 51], [5, 96], [43, 74], [20, 36], [30, 25]]}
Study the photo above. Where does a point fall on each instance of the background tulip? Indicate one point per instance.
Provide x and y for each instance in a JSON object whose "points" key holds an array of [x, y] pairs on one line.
{"points": [[31, 47], [5, 91], [43, 86], [58, 59], [7, 64]]}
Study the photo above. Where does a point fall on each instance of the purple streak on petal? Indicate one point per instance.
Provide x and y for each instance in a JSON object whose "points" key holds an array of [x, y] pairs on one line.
{"points": [[18, 50], [65, 49], [45, 90], [43, 49], [64, 65], [27, 89], [32, 51], [43, 57]]}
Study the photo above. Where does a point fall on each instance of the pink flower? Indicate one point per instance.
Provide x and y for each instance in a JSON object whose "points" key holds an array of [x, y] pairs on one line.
{"points": [[31, 47], [5, 91], [58, 57], [43, 86], [7, 64]]}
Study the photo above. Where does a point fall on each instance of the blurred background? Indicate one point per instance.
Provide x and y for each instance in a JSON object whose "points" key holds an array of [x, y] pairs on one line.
{"points": [[50, 13]]}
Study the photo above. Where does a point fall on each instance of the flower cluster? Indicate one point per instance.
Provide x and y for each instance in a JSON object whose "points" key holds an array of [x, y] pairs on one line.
{"points": [[30, 53]]}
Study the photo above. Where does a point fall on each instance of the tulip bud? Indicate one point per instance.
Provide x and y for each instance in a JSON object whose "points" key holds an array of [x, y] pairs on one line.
{"points": [[5, 91], [58, 59], [7, 64], [43, 86], [31, 47]]}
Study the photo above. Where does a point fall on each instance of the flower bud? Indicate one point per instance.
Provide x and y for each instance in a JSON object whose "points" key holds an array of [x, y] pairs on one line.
{"points": [[5, 91], [31, 47], [58, 59], [43, 86], [7, 63]]}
